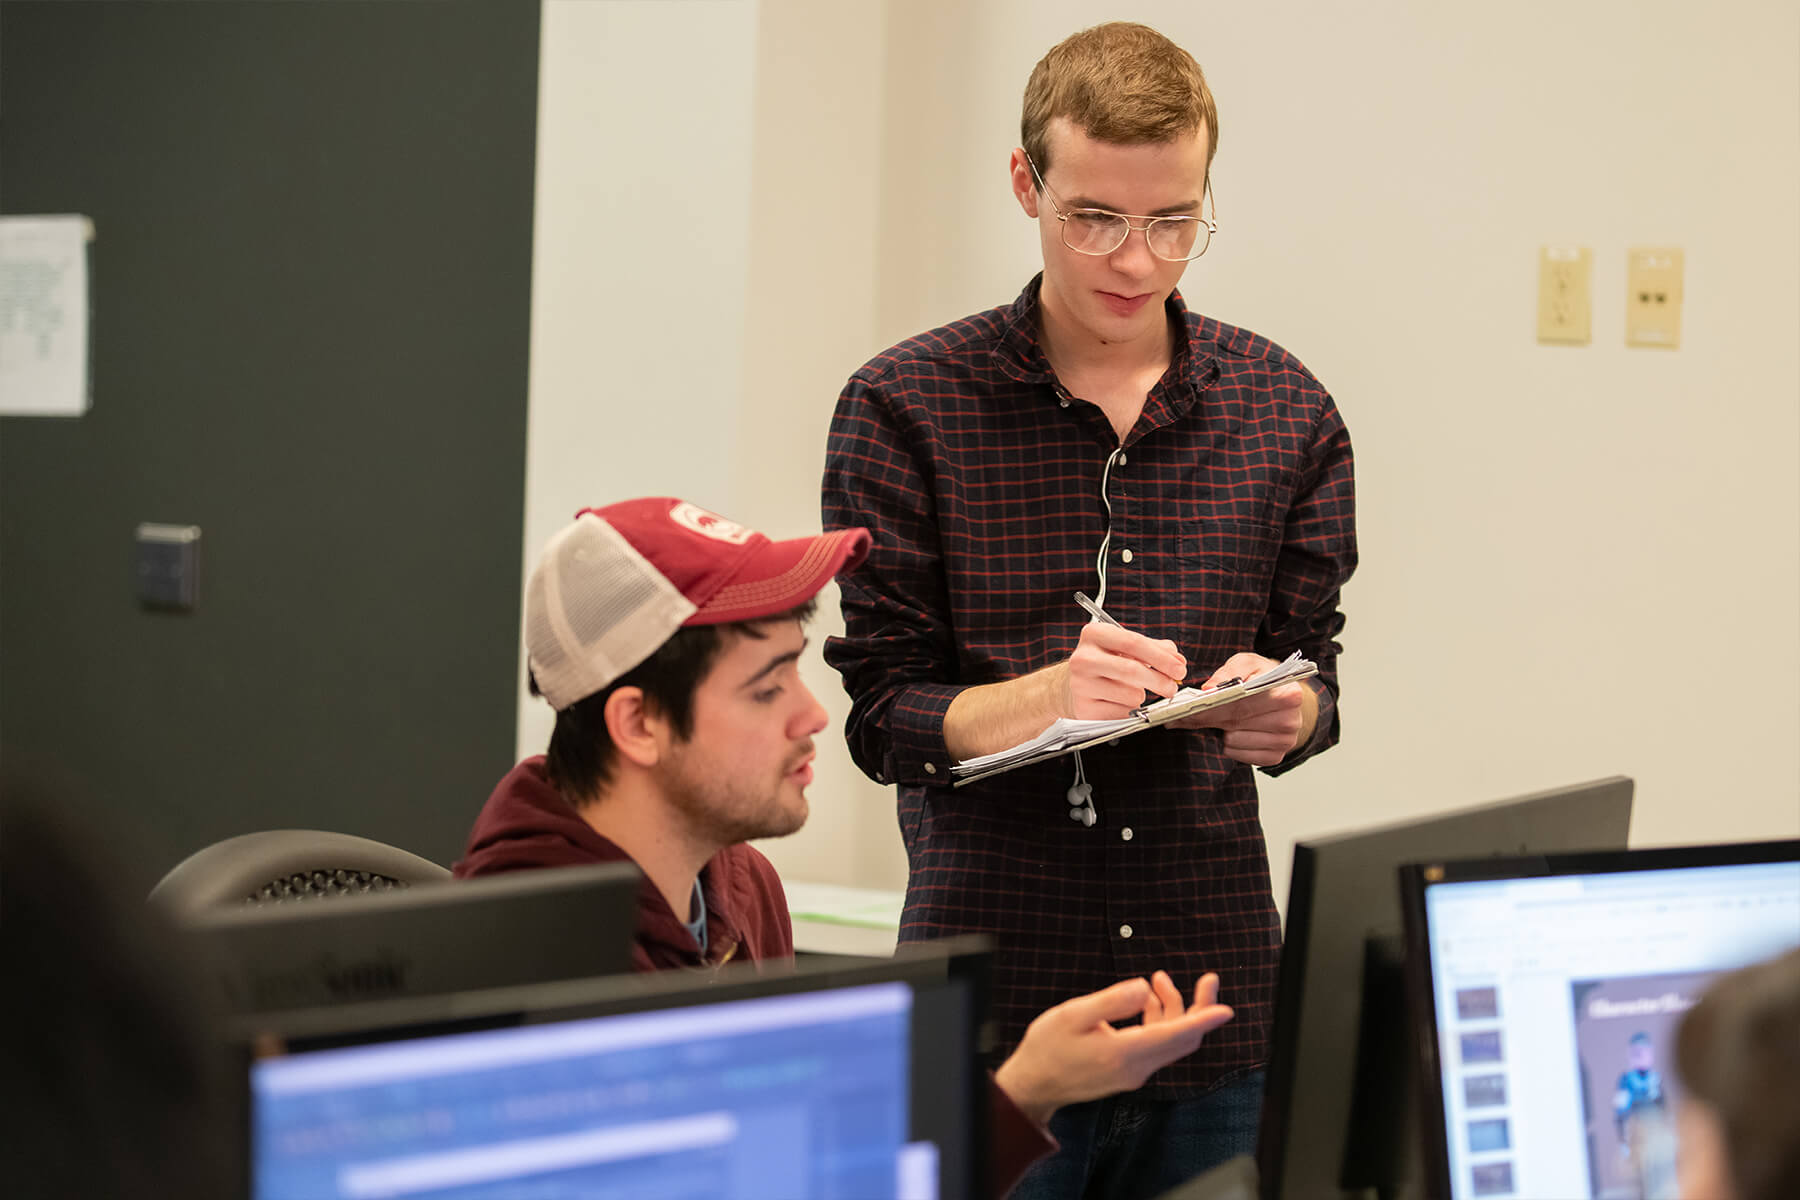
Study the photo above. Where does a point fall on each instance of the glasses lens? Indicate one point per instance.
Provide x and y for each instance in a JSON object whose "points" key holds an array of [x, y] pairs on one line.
{"points": [[1093, 232], [1177, 241]]}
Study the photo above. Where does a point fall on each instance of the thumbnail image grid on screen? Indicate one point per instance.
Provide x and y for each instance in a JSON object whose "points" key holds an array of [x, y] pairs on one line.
{"points": [[1555, 1002]]}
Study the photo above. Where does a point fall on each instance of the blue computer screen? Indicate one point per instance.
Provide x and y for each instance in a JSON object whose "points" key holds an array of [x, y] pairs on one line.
{"points": [[792, 1095]]}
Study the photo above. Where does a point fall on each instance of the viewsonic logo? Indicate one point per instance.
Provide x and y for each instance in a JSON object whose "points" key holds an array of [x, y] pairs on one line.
{"points": [[326, 976]]}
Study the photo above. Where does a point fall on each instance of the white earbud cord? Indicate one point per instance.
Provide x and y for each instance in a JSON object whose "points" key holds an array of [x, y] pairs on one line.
{"points": [[1081, 793]]}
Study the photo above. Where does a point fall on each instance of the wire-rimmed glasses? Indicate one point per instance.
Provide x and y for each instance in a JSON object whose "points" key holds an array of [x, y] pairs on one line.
{"points": [[1097, 231]]}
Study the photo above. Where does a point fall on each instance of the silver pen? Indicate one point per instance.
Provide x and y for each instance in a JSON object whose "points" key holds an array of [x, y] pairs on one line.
{"points": [[1094, 610], [1100, 614]]}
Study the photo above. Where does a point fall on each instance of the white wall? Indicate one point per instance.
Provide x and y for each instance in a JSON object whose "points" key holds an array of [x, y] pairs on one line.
{"points": [[813, 289], [639, 264], [1576, 561], [704, 281]]}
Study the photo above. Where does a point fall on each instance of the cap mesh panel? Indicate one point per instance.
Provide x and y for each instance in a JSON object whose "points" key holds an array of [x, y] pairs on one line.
{"points": [[594, 609]]}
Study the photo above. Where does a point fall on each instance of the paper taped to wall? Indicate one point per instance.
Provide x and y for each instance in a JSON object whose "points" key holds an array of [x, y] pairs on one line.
{"points": [[44, 316]]}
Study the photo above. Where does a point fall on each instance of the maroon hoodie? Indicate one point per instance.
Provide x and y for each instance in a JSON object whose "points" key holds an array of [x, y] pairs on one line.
{"points": [[526, 824]]}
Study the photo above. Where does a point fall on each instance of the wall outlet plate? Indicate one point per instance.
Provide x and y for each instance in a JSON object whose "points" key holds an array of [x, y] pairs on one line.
{"points": [[1564, 295], [168, 566], [1653, 297]]}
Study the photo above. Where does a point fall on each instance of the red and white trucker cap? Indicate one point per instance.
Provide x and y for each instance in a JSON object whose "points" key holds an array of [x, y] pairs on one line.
{"points": [[614, 586]]}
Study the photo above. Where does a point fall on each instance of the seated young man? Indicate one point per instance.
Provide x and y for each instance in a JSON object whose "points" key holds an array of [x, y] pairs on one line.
{"points": [[668, 640]]}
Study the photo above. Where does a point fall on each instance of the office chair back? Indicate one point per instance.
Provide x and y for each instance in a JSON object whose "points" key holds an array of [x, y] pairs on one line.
{"points": [[282, 865]]}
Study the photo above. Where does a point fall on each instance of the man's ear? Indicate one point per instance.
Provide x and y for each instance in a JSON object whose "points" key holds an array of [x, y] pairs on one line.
{"points": [[636, 730], [1024, 186]]}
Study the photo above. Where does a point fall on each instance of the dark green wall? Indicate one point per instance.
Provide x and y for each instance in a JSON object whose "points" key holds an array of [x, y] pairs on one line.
{"points": [[311, 292]]}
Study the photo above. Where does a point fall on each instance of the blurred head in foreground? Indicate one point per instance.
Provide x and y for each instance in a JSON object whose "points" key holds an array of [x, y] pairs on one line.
{"points": [[1738, 1052], [115, 1080]]}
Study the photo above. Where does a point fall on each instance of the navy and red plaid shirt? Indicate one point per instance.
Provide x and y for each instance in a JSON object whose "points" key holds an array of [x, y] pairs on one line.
{"points": [[1232, 527]]}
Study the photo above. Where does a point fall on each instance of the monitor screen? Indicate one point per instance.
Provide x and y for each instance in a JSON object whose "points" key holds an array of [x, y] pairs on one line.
{"points": [[431, 938], [1339, 1111], [1549, 991], [834, 1081]]}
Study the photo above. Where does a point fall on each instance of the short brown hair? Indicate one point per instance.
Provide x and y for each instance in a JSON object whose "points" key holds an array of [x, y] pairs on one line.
{"points": [[1121, 83], [1738, 1050]]}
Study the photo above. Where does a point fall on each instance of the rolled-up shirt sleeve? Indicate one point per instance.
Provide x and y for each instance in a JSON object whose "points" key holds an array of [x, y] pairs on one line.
{"points": [[897, 655], [1316, 559]]}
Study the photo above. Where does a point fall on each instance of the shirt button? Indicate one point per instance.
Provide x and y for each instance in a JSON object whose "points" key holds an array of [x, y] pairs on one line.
{"points": [[1125, 834], [1121, 459], [931, 768], [1125, 555], [1063, 403], [1124, 931]]}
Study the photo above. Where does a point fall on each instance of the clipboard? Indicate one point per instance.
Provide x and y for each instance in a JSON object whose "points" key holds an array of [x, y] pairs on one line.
{"points": [[1065, 736]]}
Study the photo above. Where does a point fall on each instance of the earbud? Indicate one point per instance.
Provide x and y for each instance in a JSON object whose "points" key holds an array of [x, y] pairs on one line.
{"points": [[1081, 803]]}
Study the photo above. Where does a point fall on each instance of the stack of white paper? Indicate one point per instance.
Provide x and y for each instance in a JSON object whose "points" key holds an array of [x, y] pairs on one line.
{"points": [[1059, 735], [1292, 667]]}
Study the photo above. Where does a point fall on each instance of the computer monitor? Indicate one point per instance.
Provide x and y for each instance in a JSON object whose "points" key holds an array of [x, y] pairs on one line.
{"points": [[1339, 1110], [1546, 993], [457, 935], [832, 1079]]}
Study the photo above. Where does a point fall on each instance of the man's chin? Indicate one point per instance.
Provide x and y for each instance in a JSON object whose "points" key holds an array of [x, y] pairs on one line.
{"points": [[791, 818], [778, 822]]}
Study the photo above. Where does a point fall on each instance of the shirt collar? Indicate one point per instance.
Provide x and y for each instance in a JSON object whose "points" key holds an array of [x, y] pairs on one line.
{"points": [[697, 926], [1020, 354]]}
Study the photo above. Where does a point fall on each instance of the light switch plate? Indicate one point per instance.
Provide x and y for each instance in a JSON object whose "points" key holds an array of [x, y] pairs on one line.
{"points": [[168, 566], [1653, 297], [1564, 295]]}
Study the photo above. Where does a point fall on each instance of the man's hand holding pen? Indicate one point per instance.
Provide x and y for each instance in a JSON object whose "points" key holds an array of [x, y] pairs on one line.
{"points": [[1112, 669]]}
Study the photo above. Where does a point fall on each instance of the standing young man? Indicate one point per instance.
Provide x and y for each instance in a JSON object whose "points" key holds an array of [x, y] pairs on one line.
{"points": [[1097, 435], [668, 640]]}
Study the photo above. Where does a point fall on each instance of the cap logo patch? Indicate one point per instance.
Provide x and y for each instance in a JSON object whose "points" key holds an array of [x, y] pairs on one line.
{"points": [[710, 524]]}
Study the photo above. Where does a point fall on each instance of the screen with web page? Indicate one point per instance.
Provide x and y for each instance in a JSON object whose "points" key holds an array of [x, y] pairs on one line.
{"points": [[1554, 996], [791, 1095]]}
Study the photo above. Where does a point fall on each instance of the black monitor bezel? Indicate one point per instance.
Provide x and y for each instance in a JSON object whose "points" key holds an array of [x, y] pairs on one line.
{"points": [[1421, 1009], [248, 948], [1609, 798], [952, 971]]}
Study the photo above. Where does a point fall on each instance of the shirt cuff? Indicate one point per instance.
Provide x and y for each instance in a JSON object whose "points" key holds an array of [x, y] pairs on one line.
{"points": [[1015, 1141], [1324, 731], [916, 754]]}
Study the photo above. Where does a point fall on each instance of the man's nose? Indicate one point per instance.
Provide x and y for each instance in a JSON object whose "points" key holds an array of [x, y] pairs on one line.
{"points": [[1133, 257], [811, 716]]}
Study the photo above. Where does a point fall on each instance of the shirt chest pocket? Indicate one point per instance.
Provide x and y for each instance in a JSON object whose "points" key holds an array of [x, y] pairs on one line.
{"points": [[1226, 569]]}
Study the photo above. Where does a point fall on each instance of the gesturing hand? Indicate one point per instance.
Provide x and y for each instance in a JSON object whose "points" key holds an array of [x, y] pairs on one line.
{"points": [[1072, 1052]]}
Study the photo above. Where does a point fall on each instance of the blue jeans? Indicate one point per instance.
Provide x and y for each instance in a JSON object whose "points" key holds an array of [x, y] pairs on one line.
{"points": [[1132, 1148]]}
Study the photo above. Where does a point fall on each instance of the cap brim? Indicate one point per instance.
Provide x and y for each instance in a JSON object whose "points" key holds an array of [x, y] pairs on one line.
{"points": [[779, 576]]}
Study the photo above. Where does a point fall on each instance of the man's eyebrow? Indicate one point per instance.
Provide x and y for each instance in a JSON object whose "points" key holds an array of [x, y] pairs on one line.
{"points": [[1171, 210], [774, 664]]}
